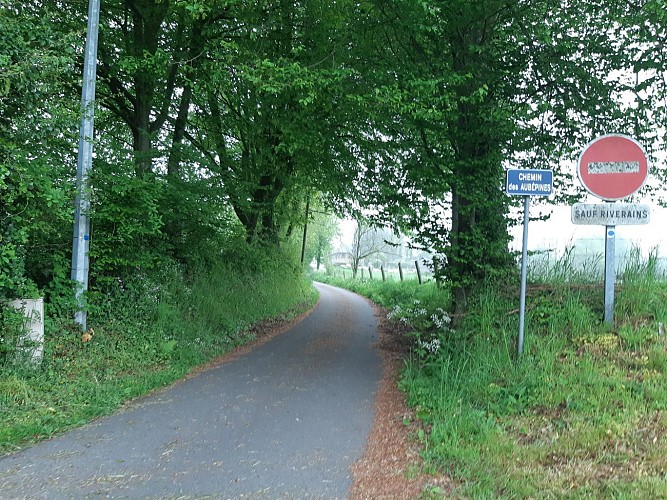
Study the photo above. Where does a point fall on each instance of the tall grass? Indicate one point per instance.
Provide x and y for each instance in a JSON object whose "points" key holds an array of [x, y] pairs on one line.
{"points": [[148, 330], [582, 413]]}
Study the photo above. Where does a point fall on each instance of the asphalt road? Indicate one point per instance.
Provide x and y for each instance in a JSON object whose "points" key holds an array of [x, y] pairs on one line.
{"points": [[285, 421]]}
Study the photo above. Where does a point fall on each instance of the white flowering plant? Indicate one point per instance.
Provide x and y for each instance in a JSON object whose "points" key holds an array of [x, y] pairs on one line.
{"points": [[428, 328]]}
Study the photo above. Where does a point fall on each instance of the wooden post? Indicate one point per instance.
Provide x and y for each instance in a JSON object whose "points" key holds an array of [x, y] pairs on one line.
{"points": [[370, 272], [362, 273], [382, 271], [436, 272], [419, 273], [400, 271]]}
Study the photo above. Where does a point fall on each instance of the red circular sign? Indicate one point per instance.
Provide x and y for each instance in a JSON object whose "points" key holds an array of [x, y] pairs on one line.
{"points": [[613, 167]]}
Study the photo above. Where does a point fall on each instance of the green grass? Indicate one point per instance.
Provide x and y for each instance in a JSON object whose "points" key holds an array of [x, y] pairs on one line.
{"points": [[582, 413], [148, 332]]}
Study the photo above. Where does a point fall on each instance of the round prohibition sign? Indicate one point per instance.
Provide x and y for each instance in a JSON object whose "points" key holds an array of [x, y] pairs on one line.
{"points": [[613, 167]]}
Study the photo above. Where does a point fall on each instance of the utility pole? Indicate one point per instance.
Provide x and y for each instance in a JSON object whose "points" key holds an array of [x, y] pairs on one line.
{"points": [[305, 231], [81, 240]]}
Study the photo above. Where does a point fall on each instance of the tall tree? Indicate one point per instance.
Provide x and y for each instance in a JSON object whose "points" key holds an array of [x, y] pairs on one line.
{"points": [[321, 231], [266, 121], [35, 146], [368, 241], [462, 89]]}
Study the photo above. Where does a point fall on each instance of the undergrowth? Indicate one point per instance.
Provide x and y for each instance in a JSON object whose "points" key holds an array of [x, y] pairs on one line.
{"points": [[147, 331], [582, 413]]}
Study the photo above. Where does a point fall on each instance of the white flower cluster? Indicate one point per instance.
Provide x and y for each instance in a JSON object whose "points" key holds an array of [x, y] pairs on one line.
{"points": [[441, 319], [396, 311], [432, 347]]}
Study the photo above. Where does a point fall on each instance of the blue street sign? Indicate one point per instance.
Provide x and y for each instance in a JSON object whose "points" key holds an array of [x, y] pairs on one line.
{"points": [[528, 182]]}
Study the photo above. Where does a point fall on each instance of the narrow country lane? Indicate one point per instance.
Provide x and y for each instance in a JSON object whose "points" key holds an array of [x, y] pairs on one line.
{"points": [[286, 420]]}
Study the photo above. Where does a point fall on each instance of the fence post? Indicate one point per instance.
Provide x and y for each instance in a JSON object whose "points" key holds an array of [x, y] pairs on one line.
{"points": [[370, 272], [382, 271], [419, 273], [362, 273], [400, 271]]}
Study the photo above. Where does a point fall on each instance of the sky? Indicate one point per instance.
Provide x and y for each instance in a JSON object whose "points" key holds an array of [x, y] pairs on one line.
{"points": [[559, 232]]}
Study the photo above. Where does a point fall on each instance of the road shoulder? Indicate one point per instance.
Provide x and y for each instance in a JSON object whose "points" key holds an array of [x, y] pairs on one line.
{"points": [[391, 466]]}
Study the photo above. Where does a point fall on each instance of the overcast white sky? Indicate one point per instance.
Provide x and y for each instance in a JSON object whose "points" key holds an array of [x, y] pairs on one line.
{"points": [[559, 232]]}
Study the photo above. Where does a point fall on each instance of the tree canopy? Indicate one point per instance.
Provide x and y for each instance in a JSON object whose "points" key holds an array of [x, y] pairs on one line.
{"points": [[218, 119]]}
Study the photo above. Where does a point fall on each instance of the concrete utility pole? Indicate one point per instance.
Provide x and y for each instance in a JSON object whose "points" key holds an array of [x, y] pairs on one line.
{"points": [[305, 231], [81, 241]]}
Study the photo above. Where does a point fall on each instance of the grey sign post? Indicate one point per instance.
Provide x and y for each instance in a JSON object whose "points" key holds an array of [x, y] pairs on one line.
{"points": [[527, 183], [611, 167], [610, 215], [609, 273]]}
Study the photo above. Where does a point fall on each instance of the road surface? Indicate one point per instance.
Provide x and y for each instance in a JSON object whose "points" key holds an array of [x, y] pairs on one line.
{"points": [[286, 420]]}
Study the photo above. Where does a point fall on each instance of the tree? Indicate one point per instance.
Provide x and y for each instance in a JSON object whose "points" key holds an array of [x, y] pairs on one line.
{"points": [[218, 117], [647, 83], [367, 241], [462, 89], [34, 173], [266, 120], [322, 230]]}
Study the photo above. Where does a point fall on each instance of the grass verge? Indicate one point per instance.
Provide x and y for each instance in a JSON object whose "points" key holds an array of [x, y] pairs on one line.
{"points": [[148, 331], [583, 413]]}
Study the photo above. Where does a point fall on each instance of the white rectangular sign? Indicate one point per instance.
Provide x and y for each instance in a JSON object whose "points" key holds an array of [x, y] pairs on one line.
{"points": [[610, 214]]}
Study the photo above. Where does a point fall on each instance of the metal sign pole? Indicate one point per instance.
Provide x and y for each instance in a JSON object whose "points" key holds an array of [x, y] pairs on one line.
{"points": [[527, 183], [81, 239], [524, 272], [609, 273]]}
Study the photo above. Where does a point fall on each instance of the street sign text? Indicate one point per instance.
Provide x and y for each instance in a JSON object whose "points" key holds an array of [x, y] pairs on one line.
{"points": [[529, 182], [610, 214]]}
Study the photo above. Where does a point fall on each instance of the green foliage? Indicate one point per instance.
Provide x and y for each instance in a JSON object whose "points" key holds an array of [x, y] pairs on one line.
{"points": [[147, 331], [322, 229], [582, 410], [642, 278], [11, 322], [35, 153], [268, 109], [127, 224], [214, 118], [457, 91]]}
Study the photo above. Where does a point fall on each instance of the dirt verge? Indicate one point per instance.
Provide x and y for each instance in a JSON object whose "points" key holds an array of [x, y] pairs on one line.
{"points": [[391, 467]]}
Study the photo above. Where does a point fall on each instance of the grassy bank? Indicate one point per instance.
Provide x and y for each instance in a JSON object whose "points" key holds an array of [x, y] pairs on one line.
{"points": [[147, 332], [583, 413]]}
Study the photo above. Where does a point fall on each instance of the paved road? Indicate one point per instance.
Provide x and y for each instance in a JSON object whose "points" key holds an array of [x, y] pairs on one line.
{"points": [[283, 421]]}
